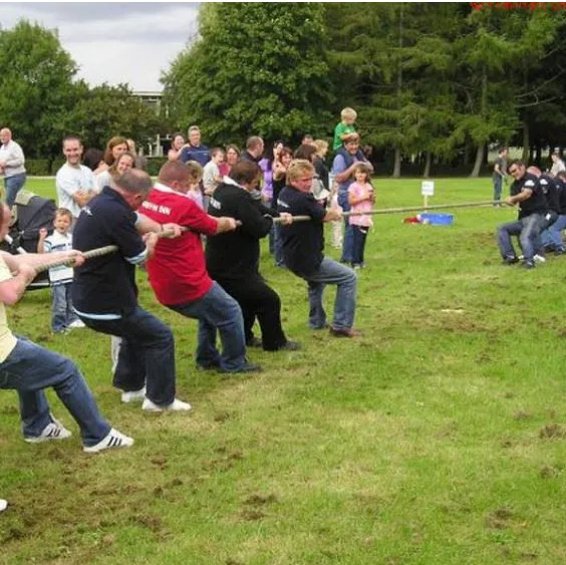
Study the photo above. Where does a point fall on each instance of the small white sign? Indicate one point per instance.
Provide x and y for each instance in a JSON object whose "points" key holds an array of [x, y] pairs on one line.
{"points": [[427, 188]]}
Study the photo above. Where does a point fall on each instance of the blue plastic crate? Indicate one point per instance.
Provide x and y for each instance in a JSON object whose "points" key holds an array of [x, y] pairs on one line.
{"points": [[437, 219]]}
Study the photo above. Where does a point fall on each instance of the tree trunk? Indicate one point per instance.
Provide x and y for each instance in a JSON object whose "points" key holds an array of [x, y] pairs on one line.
{"points": [[466, 158], [526, 142], [483, 110], [479, 161], [426, 172], [538, 152], [397, 163]]}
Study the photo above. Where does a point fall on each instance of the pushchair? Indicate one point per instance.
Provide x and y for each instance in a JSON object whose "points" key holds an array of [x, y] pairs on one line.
{"points": [[30, 213]]}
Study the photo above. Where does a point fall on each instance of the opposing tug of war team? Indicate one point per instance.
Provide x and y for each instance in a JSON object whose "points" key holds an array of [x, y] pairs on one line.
{"points": [[197, 230]]}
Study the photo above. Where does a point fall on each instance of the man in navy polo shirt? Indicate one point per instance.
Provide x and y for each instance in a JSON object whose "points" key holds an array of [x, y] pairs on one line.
{"points": [[194, 151], [105, 292], [303, 246]]}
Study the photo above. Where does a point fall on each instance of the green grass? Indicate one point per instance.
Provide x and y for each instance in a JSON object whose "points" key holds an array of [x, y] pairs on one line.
{"points": [[436, 438]]}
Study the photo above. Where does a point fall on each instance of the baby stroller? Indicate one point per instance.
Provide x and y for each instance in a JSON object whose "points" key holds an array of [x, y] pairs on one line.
{"points": [[30, 213]]}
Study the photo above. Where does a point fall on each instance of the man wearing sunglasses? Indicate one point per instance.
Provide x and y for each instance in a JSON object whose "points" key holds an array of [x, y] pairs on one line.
{"points": [[528, 194]]}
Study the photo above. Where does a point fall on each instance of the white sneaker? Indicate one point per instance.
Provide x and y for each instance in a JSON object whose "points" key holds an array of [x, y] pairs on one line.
{"points": [[133, 396], [539, 259], [3, 504], [113, 440], [77, 324], [176, 406], [53, 430]]}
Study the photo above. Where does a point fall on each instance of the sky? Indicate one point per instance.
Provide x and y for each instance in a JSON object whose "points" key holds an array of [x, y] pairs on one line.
{"points": [[114, 42]]}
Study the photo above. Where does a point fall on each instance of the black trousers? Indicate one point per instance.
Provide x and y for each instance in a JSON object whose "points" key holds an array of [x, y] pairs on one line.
{"points": [[258, 300]]}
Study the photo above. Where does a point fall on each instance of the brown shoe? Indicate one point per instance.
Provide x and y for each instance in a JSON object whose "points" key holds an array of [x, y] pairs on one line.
{"points": [[345, 332]]}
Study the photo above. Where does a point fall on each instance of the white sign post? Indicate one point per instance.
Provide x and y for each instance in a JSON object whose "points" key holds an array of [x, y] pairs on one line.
{"points": [[427, 189]]}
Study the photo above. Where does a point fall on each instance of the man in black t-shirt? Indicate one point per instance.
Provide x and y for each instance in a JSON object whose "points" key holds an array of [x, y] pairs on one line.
{"points": [[232, 259], [303, 246], [526, 191]]}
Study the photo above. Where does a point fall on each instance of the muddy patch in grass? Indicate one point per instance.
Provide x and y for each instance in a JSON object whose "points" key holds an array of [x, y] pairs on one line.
{"points": [[499, 519], [552, 431]]}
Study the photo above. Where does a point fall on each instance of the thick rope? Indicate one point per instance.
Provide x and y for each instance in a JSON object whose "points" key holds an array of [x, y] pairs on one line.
{"points": [[98, 252], [402, 210]]}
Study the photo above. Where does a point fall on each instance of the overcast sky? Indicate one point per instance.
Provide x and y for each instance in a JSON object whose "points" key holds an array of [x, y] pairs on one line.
{"points": [[114, 42]]}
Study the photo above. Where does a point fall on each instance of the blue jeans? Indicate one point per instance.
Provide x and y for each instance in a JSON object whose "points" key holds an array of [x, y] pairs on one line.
{"points": [[278, 246], [331, 272], [147, 354], [62, 311], [217, 310], [13, 185], [497, 187], [29, 369], [360, 234], [348, 241], [527, 229], [552, 236]]}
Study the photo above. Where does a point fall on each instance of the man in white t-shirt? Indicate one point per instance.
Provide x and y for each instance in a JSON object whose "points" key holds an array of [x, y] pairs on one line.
{"points": [[76, 184]]}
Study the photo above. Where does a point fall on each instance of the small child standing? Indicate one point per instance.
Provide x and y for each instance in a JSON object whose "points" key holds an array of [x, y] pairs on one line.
{"points": [[61, 277], [195, 176], [347, 126], [211, 177], [361, 198]]}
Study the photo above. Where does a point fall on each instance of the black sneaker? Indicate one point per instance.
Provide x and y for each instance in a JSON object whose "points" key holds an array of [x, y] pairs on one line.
{"points": [[510, 260], [528, 265], [290, 346], [246, 368], [254, 342]]}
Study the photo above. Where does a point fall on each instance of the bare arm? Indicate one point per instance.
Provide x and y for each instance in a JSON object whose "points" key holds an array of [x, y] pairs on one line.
{"points": [[11, 290], [525, 194], [41, 240], [332, 215], [225, 224], [147, 225], [83, 197]]}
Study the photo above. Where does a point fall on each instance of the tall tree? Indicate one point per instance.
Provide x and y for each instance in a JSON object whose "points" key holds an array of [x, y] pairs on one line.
{"points": [[398, 69], [36, 88], [105, 111], [496, 52], [257, 68]]}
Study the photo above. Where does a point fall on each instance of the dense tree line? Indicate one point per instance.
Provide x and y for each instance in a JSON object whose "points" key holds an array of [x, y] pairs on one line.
{"points": [[430, 81], [434, 84], [41, 100]]}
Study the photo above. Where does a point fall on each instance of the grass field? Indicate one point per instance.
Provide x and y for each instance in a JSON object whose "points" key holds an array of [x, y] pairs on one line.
{"points": [[436, 438]]}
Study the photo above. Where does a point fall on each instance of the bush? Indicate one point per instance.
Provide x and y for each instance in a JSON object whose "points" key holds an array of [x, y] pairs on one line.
{"points": [[43, 167], [37, 167], [154, 164]]}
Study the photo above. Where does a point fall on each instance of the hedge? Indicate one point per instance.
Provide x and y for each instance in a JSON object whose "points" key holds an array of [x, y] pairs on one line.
{"points": [[47, 167]]}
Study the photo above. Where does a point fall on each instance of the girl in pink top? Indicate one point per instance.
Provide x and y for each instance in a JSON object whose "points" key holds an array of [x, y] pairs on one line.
{"points": [[361, 198]]}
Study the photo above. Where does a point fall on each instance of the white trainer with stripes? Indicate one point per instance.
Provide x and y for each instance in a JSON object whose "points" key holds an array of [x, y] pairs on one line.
{"points": [[113, 440], [53, 430], [175, 406]]}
